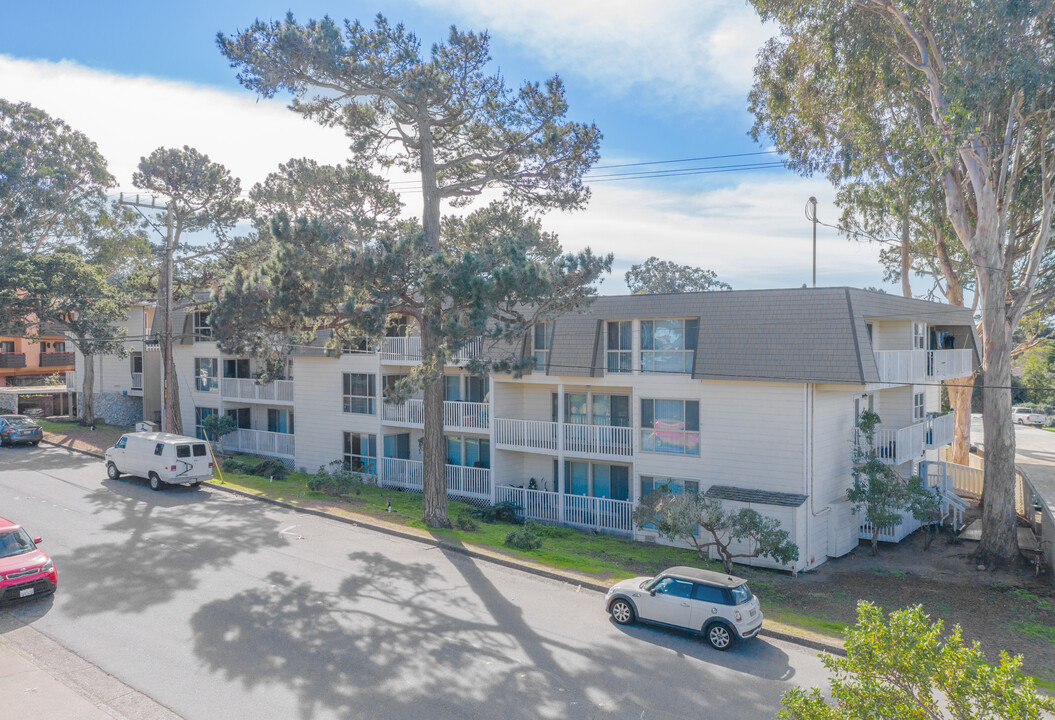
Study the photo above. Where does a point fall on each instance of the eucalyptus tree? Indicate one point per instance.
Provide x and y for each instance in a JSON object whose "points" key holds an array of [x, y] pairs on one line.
{"points": [[967, 102], [206, 205], [445, 118], [663, 276]]}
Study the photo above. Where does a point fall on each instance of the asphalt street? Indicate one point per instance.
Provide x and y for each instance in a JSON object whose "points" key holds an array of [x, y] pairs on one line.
{"points": [[223, 607]]}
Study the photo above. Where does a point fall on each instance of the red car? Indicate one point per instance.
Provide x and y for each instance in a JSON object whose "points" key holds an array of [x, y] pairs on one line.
{"points": [[25, 570]]}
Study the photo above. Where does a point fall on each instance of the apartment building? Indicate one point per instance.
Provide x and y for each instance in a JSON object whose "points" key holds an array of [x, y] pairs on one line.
{"points": [[127, 388], [751, 397], [27, 361]]}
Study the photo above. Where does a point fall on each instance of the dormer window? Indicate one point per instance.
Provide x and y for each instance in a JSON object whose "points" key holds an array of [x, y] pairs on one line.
{"points": [[202, 328], [619, 344], [668, 345], [542, 339], [919, 336]]}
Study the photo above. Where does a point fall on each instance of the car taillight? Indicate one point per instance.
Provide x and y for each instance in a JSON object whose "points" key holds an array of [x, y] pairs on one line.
{"points": [[738, 616], [172, 468], [211, 466]]}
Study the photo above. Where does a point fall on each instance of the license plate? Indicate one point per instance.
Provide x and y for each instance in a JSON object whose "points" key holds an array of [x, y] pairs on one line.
{"points": [[753, 612], [25, 592]]}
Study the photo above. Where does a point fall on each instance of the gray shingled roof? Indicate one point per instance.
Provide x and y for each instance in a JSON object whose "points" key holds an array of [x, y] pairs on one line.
{"points": [[794, 335], [756, 497]]}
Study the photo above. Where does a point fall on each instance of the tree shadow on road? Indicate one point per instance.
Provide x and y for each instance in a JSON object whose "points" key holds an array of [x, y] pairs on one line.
{"points": [[401, 640], [164, 541]]}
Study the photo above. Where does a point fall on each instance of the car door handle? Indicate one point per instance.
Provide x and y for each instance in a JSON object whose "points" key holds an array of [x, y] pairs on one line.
{"points": [[684, 604]]}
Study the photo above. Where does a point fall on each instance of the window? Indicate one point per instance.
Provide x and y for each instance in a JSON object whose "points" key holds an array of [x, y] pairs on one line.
{"points": [[575, 409], [137, 362], [477, 452], [280, 421], [452, 387], [388, 383], [359, 393], [200, 413], [236, 368], [668, 345], [670, 426], [576, 477], [202, 329], [454, 450], [183, 451], [121, 443], [710, 594], [611, 410], [597, 480], [59, 346], [360, 453], [651, 484], [477, 387], [542, 340], [7, 346], [241, 417], [397, 326], [919, 336], [398, 446], [620, 346], [673, 586], [199, 450], [159, 449], [918, 401], [205, 374], [741, 594], [360, 345]]}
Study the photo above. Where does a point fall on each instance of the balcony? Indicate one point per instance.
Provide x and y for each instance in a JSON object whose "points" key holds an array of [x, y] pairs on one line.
{"points": [[249, 390], [470, 483], [603, 514], [939, 431], [12, 360], [599, 441], [56, 359], [906, 367], [408, 350], [137, 381], [260, 442], [471, 416]]}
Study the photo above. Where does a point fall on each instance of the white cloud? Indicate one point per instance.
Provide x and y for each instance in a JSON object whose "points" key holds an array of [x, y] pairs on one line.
{"points": [[752, 234], [687, 52]]}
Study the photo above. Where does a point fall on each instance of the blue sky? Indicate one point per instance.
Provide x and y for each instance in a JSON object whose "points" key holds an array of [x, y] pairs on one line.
{"points": [[662, 82]]}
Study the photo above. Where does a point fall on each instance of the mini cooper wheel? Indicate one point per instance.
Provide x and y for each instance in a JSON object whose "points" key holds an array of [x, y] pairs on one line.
{"points": [[719, 636], [155, 481], [622, 612], [112, 472]]}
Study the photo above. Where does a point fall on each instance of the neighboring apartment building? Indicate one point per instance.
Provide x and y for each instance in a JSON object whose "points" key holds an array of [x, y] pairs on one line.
{"points": [[127, 389], [28, 361], [748, 396]]}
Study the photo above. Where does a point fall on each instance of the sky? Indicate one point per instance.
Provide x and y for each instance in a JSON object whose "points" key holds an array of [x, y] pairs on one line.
{"points": [[664, 82]]}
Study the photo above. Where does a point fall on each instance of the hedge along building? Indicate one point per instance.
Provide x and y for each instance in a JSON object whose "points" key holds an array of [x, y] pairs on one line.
{"points": [[748, 396]]}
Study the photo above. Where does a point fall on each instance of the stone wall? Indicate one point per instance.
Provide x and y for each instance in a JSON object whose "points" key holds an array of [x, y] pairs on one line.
{"points": [[117, 409], [8, 403]]}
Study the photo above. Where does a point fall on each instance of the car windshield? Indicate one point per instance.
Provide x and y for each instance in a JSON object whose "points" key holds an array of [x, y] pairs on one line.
{"points": [[741, 594], [15, 542], [18, 420]]}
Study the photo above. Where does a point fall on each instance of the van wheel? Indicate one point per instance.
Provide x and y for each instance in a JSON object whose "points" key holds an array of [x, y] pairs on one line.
{"points": [[719, 636], [155, 481], [34, 443], [195, 484], [112, 471]]}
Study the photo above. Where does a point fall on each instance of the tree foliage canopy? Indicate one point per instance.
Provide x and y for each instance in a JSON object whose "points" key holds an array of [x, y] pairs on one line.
{"points": [[656, 276], [907, 667]]}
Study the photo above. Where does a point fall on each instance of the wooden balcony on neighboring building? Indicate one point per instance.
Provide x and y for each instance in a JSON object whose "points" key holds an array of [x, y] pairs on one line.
{"points": [[56, 359]]}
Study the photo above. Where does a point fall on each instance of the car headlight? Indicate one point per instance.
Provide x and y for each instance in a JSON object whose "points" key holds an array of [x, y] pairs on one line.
{"points": [[48, 566]]}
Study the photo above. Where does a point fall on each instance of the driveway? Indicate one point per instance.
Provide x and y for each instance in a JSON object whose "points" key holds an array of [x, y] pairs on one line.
{"points": [[218, 606]]}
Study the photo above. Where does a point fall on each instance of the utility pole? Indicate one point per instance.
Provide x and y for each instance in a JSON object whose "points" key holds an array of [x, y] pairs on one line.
{"points": [[168, 413], [811, 215]]}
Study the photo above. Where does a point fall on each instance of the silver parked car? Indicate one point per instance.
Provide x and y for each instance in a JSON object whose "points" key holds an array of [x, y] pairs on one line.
{"points": [[720, 607], [19, 429]]}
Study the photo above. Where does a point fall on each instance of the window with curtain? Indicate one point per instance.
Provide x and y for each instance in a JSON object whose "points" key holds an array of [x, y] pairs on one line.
{"points": [[280, 421], [619, 344], [668, 345], [670, 426], [611, 410], [360, 453], [477, 452], [452, 388], [359, 393], [454, 450], [200, 413], [205, 374], [611, 481], [398, 446]]}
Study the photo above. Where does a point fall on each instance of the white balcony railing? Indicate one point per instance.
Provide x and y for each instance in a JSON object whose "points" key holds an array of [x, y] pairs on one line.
{"points": [[939, 430], [260, 442], [71, 379], [137, 381], [894, 446], [462, 482], [408, 349], [456, 415], [249, 390], [576, 510], [917, 366], [594, 440]]}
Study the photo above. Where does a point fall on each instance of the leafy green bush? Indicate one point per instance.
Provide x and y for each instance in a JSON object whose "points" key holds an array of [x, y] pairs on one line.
{"points": [[523, 539], [265, 468], [550, 531], [463, 520], [504, 511], [337, 481], [234, 465]]}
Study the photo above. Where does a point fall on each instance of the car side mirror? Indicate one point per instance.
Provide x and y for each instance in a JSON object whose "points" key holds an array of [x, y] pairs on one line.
{"points": [[37, 541], [652, 593]]}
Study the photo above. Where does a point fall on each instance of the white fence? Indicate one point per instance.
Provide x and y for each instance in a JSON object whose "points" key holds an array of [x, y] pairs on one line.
{"points": [[249, 390], [966, 480], [602, 514], [260, 442], [469, 484], [895, 533], [456, 415], [408, 349], [915, 366], [939, 430], [597, 440]]}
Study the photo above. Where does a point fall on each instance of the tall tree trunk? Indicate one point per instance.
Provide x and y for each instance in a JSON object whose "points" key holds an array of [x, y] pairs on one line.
{"points": [[999, 537], [960, 400], [906, 281], [172, 420], [87, 407]]}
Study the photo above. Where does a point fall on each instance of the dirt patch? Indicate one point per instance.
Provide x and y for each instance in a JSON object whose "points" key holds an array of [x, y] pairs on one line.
{"points": [[1009, 609], [78, 437]]}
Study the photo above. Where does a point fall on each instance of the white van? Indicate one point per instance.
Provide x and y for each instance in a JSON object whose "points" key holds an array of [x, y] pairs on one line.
{"points": [[161, 458]]}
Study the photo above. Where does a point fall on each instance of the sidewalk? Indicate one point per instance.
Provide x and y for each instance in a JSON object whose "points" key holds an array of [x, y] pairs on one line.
{"points": [[41, 680]]}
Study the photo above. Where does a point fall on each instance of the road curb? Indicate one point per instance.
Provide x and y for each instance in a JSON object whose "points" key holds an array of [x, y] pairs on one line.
{"points": [[811, 643], [73, 449]]}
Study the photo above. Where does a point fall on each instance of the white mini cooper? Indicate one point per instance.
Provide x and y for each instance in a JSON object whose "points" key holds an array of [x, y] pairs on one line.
{"points": [[721, 607]]}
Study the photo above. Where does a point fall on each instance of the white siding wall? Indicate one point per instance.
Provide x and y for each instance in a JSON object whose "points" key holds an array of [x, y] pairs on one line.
{"points": [[891, 335], [319, 408]]}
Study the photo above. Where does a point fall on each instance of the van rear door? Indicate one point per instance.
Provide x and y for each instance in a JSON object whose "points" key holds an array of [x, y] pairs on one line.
{"points": [[192, 461]]}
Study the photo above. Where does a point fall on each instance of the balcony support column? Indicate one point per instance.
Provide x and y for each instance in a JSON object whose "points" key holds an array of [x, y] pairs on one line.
{"points": [[560, 453]]}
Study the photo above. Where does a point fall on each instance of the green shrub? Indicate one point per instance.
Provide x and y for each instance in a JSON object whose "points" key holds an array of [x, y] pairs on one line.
{"points": [[337, 481], [523, 539], [234, 465], [271, 468], [504, 511], [550, 531], [463, 520]]}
